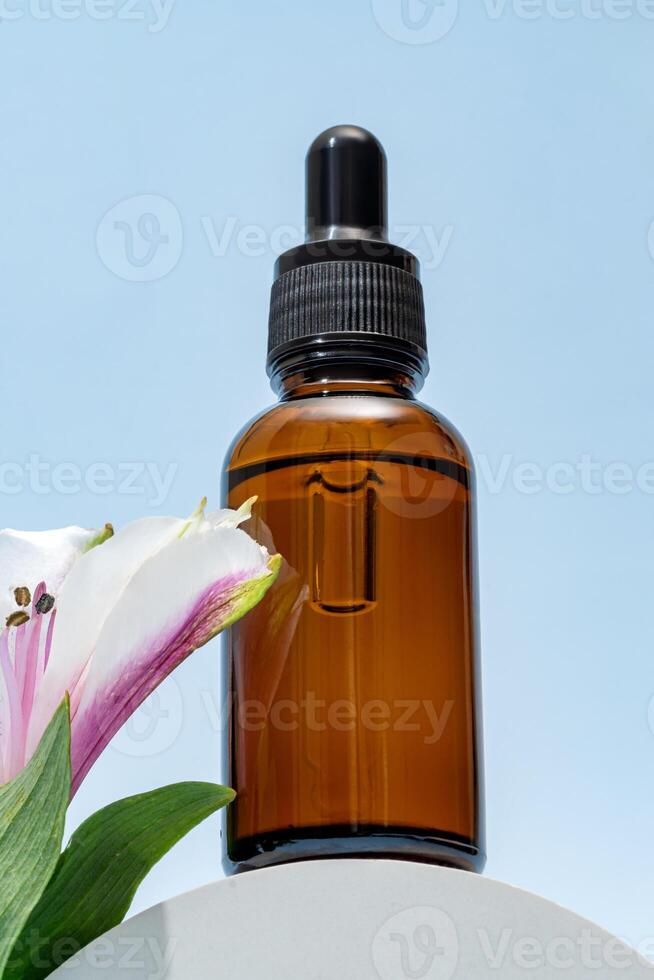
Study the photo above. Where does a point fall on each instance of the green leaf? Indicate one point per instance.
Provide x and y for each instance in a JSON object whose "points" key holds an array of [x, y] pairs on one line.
{"points": [[32, 815], [100, 870]]}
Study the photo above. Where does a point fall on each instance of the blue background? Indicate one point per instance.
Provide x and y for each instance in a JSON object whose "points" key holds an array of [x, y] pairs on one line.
{"points": [[525, 146]]}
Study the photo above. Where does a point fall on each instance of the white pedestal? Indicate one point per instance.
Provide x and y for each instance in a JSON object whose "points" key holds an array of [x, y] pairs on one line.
{"points": [[356, 920]]}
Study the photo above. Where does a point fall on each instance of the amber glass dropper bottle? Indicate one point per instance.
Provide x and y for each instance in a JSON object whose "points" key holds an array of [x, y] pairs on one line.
{"points": [[353, 687]]}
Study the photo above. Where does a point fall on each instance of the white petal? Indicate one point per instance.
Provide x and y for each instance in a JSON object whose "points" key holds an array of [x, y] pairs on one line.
{"points": [[177, 601], [199, 522], [30, 557], [229, 518], [89, 593]]}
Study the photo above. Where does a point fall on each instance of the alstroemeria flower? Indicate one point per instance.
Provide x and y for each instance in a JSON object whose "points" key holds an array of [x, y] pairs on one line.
{"points": [[107, 624]]}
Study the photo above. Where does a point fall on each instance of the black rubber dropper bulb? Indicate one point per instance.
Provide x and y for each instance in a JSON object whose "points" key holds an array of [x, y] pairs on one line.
{"points": [[346, 204], [346, 186], [346, 284]]}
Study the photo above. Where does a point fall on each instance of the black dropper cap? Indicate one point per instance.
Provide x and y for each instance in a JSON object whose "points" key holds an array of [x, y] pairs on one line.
{"points": [[347, 285]]}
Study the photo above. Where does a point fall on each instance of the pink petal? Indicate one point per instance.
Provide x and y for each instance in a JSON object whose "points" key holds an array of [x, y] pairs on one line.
{"points": [[27, 655], [13, 727]]}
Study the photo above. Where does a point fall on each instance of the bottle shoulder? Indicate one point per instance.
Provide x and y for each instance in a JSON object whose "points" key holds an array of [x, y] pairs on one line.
{"points": [[347, 423]]}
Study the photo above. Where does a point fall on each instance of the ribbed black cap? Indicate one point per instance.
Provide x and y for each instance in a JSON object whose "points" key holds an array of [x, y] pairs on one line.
{"points": [[346, 282]]}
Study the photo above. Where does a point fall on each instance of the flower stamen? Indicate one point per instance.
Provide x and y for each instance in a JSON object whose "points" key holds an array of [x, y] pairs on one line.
{"points": [[45, 603], [22, 596], [17, 618]]}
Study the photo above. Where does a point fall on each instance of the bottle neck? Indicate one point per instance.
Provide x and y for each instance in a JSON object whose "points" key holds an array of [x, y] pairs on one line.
{"points": [[342, 380], [347, 367]]}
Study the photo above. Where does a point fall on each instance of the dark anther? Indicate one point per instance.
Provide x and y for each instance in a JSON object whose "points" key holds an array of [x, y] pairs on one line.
{"points": [[17, 618], [22, 596], [45, 603]]}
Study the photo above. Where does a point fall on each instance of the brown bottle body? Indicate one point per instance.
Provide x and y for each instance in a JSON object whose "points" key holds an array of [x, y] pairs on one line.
{"points": [[354, 724]]}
